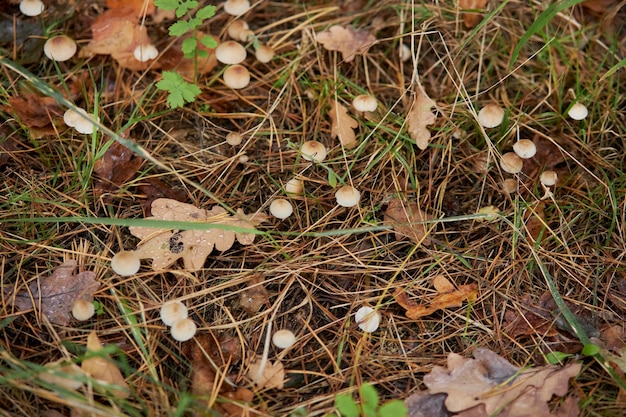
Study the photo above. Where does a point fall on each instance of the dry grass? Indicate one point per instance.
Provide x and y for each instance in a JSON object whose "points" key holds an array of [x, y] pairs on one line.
{"points": [[324, 262]]}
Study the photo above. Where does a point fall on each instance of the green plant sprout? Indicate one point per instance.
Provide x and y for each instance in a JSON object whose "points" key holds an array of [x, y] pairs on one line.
{"points": [[369, 406], [181, 91]]}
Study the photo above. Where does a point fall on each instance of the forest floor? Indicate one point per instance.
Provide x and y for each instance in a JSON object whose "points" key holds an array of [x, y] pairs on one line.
{"points": [[479, 277]]}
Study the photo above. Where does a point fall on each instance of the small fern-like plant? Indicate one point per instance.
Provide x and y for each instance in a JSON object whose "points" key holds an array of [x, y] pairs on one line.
{"points": [[179, 90]]}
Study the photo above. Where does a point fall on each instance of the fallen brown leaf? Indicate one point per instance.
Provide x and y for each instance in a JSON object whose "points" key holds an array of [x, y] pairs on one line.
{"points": [[57, 294], [342, 125], [471, 19], [346, 40], [115, 168], [100, 367], [272, 375], [254, 296], [419, 117], [165, 247], [408, 220]]}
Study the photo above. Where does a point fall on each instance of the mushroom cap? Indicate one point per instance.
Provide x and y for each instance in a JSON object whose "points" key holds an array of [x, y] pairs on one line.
{"points": [[509, 185], [234, 138], [236, 7], [525, 148], [60, 48], [125, 263], [236, 28], [72, 116], [313, 150], [281, 208], [367, 319], [145, 53], [283, 339], [264, 54], [294, 186], [347, 196], [364, 102], [183, 330], [83, 310], [578, 111], [31, 7], [511, 163], [236, 77], [405, 52], [172, 311], [548, 178], [491, 116], [230, 52]]}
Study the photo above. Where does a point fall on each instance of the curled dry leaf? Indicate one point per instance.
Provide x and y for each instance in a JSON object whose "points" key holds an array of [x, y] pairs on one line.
{"points": [[272, 375], [419, 118], [57, 294], [254, 296], [342, 125], [346, 40], [118, 165], [448, 296], [496, 387], [407, 221], [100, 367], [166, 246]]}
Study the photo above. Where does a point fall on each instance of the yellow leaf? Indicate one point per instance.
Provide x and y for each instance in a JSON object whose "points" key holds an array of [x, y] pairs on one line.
{"points": [[102, 369], [342, 125]]}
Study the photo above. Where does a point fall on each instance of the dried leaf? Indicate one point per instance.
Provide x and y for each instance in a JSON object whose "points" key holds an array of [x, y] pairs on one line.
{"points": [[117, 166], [165, 247], [425, 404], [153, 188], [535, 220], [347, 40], [57, 294], [471, 19], [419, 118], [502, 389], [342, 125], [137, 7], [272, 375], [407, 221], [102, 369], [255, 296], [450, 298]]}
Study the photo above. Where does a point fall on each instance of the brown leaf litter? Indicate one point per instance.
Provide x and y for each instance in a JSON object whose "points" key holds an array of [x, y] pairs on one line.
{"points": [[342, 125], [347, 40], [100, 367], [166, 246], [56, 295], [489, 385], [419, 118], [408, 221]]}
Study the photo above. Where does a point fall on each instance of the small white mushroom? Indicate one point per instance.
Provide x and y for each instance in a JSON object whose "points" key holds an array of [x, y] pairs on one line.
{"points": [[264, 54], [490, 116], [364, 102], [236, 28], [347, 196], [283, 339], [236, 77], [183, 330], [367, 319], [511, 163], [230, 52], [125, 263], [234, 138], [548, 178], [172, 311], [294, 186], [525, 148], [31, 7], [236, 7], [281, 208], [60, 48], [313, 150], [83, 310], [143, 53], [509, 185], [578, 111]]}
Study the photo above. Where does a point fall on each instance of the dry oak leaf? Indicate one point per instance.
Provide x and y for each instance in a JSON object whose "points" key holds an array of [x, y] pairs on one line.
{"points": [[448, 296], [166, 246], [347, 40], [471, 19], [342, 125], [407, 220], [100, 367], [490, 381], [419, 118], [57, 294], [272, 375]]}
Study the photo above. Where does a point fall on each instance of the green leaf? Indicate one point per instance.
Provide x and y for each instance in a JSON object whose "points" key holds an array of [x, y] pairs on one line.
{"points": [[206, 12], [209, 42], [332, 178], [556, 357], [395, 408], [590, 349], [346, 405], [189, 46], [185, 6], [369, 396], [180, 91], [180, 28], [539, 23], [194, 23], [201, 53], [166, 4]]}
